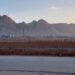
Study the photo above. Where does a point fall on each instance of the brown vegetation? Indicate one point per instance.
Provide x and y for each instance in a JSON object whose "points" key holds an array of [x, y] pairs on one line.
{"points": [[38, 48]]}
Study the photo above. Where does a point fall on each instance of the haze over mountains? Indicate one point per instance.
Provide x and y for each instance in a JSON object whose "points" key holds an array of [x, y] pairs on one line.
{"points": [[40, 28]]}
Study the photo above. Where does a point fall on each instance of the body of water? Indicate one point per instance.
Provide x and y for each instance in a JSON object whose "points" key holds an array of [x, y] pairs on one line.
{"points": [[29, 64]]}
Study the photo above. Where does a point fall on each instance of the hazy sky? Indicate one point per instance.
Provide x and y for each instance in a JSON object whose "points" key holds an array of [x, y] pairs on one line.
{"points": [[54, 11]]}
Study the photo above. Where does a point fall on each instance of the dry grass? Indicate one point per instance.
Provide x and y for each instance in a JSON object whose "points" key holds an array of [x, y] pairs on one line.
{"points": [[22, 48]]}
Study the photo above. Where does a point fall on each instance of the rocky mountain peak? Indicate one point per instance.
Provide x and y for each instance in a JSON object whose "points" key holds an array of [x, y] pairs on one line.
{"points": [[7, 20], [41, 21]]}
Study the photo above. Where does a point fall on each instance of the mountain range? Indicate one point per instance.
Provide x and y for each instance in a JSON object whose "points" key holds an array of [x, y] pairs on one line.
{"points": [[40, 28]]}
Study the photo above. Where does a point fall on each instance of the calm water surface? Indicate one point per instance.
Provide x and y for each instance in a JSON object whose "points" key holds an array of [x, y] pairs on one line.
{"points": [[31, 63]]}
